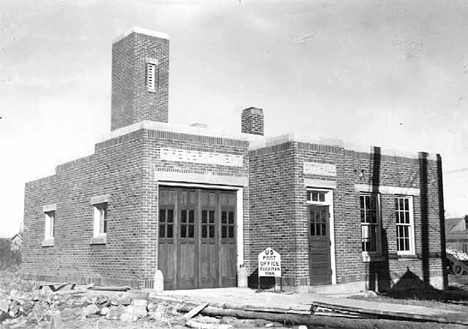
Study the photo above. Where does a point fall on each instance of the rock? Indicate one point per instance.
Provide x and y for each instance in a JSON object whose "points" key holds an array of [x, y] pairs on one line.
{"points": [[14, 308], [127, 317], [27, 306], [102, 300], [159, 313], [269, 325], [140, 303], [85, 301], [104, 311], [4, 306], [68, 313], [115, 312], [4, 316], [124, 301], [20, 324], [134, 294], [91, 310], [138, 312], [56, 321], [152, 306], [302, 327]]}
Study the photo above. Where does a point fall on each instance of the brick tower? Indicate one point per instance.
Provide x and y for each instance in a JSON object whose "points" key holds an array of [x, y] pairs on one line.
{"points": [[252, 121], [140, 77]]}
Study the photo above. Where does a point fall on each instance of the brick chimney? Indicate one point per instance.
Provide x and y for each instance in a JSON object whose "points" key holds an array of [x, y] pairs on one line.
{"points": [[140, 77], [252, 121]]}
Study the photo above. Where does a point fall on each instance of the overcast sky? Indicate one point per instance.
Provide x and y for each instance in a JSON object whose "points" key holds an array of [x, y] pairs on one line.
{"points": [[387, 73]]}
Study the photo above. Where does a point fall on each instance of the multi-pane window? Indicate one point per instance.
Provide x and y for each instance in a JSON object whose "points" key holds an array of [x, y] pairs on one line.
{"points": [[370, 222], [49, 224], [318, 222], [227, 224], [404, 224], [100, 219], [187, 223], [208, 224], [316, 196], [166, 223]]}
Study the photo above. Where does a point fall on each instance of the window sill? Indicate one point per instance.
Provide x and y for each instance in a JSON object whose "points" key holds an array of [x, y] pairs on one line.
{"points": [[48, 243], [98, 240], [366, 258], [405, 257]]}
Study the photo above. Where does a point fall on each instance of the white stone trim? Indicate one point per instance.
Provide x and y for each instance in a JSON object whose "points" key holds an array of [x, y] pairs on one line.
{"points": [[387, 189], [201, 179], [320, 140], [182, 129], [212, 158], [100, 199], [49, 207], [308, 182], [141, 30]]}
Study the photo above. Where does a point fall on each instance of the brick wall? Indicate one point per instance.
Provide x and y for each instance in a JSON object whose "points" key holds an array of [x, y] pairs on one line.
{"points": [[131, 100], [279, 211], [273, 208], [128, 169]]}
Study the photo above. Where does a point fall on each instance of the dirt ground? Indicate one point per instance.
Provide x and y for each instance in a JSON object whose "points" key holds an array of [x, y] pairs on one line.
{"points": [[453, 299]]}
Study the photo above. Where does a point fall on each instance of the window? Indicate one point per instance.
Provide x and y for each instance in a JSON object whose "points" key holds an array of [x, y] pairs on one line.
{"points": [[151, 74], [208, 224], [49, 224], [187, 224], [316, 196], [166, 223], [100, 219], [404, 224], [227, 224], [370, 223]]}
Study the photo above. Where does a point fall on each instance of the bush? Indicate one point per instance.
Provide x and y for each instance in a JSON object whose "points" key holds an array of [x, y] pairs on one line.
{"points": [[9, 259]]}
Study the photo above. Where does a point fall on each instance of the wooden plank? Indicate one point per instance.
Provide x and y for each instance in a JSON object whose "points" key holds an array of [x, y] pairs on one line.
{"points": [[392, 315], [193, 312]]}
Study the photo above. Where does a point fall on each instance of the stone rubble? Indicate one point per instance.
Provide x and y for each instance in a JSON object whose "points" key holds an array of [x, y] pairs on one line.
{"points": [[43, 308]]}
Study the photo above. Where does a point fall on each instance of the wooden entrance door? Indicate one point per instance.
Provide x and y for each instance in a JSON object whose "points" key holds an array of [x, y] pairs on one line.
{"points": [[197, 238], [319, 245]]}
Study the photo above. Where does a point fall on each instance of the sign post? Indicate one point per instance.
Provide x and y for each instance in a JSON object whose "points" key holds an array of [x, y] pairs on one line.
{"points": [[269, 264]]}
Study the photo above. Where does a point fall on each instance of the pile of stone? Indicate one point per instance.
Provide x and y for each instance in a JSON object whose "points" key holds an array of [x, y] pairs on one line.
{"points": [[24, 310], [460, 255]]}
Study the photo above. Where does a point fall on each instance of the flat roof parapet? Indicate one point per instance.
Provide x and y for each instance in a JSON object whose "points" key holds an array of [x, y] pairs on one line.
{"points": [[140, 30]]}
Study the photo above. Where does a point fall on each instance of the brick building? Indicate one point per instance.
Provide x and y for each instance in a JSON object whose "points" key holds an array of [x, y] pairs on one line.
{"points": [[198, 203]]}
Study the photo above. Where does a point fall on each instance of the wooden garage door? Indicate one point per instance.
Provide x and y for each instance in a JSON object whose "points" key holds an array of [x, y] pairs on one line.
{"points": [[197, 238]]}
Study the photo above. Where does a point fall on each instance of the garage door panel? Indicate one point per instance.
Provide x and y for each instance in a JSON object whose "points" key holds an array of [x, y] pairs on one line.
{"points": [[204, 242]]}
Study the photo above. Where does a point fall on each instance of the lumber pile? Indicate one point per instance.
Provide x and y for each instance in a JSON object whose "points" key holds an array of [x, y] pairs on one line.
{"points": [[460, 255]]}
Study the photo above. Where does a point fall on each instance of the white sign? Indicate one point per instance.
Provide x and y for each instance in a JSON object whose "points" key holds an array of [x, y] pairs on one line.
{"points": [[222, 159], [322, 169], [269, 263]]}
